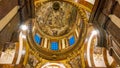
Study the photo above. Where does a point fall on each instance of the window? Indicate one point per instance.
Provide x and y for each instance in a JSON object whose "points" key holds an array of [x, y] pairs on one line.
{"points": [[54, 46], [37, 38], [72, 40]]}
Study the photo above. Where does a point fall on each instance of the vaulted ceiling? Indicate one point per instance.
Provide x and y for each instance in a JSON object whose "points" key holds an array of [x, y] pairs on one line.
{"points": [[59, 34]]}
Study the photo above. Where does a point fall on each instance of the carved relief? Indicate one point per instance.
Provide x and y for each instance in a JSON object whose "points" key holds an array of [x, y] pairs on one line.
{"points": [[76, 62], [8, 53], [32, 62]]}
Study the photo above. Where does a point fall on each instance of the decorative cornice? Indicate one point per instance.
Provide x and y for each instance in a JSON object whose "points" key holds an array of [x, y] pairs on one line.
{"points": [[118, 1], [115, 20], [5, 20]]}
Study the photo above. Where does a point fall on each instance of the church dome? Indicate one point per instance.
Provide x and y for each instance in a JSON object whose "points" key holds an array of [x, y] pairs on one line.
{"points": [[59, 29]]}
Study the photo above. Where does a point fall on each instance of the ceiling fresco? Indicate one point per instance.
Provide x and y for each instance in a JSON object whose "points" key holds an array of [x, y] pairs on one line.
{"points": [[56, 18]]}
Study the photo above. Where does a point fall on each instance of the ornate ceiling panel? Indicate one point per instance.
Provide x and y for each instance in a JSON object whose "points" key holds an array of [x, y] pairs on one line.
{"points": [[56, 18]]}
